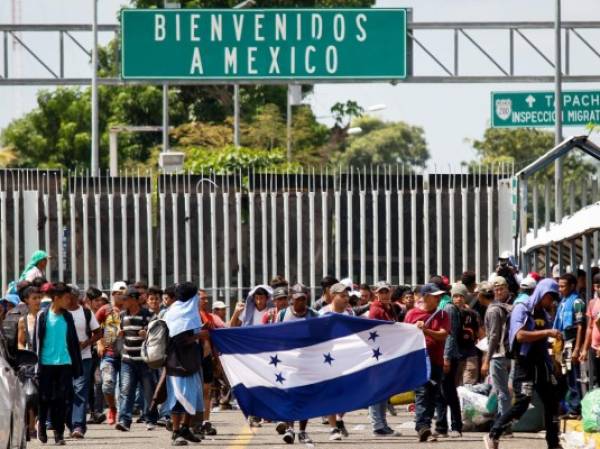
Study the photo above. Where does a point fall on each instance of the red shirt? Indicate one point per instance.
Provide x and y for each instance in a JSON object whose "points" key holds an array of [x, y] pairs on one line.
{"points": [[441, 321], [379, 311]]}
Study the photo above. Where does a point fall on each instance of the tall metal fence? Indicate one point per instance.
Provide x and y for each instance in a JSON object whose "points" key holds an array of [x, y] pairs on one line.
{"points": [[229, 232]]}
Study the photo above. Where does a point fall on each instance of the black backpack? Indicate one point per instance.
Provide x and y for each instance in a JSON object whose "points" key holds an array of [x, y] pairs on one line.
{"points": [[10, 331]]}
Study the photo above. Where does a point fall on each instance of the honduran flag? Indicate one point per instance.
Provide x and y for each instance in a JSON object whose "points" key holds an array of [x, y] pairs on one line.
{"points": [[320, 366]]}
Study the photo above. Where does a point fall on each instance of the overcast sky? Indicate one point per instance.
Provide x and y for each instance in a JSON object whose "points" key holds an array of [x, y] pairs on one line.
{"points": [[449, 113]]}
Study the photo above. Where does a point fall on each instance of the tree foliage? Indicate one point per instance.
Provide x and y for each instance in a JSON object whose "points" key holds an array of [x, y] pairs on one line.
{"points": [[385, 143], [230, 159]]}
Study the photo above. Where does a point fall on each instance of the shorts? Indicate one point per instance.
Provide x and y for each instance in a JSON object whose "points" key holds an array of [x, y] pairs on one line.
{"points": [[109, 369], [208, 375]]}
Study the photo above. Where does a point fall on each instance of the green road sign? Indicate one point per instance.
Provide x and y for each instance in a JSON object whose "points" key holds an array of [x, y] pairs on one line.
{"points": [[263, 44], [536, 109]]}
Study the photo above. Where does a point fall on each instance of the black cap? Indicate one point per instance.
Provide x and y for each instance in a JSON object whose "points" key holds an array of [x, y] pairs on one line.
{"points": [[132, 292], [185, 291], [280, 292]]}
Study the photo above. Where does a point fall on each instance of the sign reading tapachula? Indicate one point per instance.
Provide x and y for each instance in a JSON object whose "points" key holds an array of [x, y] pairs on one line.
{"points": [[262, 44]]}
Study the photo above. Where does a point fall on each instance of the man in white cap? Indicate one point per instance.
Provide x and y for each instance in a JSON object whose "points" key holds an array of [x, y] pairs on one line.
{"points": [[108, 317], [526, 288], [219, 309]]}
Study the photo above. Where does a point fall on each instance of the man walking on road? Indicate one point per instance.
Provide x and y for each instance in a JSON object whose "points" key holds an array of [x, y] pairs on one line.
{"points": [[495, 361], [528, 340]]}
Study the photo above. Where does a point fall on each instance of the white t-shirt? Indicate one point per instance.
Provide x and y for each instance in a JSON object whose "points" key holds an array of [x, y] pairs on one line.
{"points": [[34, 273], [81, 327], [328, 309], [258, 315]]}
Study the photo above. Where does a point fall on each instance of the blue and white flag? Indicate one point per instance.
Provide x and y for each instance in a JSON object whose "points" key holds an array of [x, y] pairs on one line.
{"points": [[320, 366]]}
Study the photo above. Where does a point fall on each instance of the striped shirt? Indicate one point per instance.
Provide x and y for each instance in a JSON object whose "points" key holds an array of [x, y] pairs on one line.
{"points": [[131, 325]]}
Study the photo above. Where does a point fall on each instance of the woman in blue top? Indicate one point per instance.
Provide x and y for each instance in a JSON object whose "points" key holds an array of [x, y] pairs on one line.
{"points": [[59, 361]]}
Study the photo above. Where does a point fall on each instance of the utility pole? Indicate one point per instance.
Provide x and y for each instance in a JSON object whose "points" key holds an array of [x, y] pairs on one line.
{"points": [[94, 156], [558, 164], [236, 115], [165, 118], [289, 125]]}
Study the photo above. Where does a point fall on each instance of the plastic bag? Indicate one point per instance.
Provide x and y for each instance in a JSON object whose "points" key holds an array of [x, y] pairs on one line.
{"points": [[590, 408], [473, 406]]}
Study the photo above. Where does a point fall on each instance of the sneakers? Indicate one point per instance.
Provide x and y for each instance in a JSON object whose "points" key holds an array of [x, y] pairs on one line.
{"points": [[489, 443], [254, 421], [386, 432], [281, 427], [140, 420], [340, 425], [177, 439], [455, 434], [335, 435], [162, 422], [208, 429], [111, 416], [122, 427], [289, 436], [304, 438], [425, 435], [150, 426], [186, 433], [96, 418], [77, 433]]}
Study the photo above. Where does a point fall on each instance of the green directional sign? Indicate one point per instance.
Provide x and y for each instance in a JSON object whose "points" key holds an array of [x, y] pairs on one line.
{"points": [[536, 109], [263, 44]]}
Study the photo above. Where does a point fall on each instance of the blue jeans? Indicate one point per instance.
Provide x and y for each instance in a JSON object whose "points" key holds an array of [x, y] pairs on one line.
{"points": [[109, 370], [377, 415], [426, 397], [132, 375], [499, 370], [573, 399], [81, 387]]}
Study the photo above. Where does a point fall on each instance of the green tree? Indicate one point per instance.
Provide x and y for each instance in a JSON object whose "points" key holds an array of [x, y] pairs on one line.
{"points": [[385, 143], [230, 159]]}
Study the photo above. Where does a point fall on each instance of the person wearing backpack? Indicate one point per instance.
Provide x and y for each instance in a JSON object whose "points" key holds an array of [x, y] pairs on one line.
{"points": [[435, 325], [529, 331], [88, 333], [59, 362], [109, 347], [495, 361], [452, 358]]}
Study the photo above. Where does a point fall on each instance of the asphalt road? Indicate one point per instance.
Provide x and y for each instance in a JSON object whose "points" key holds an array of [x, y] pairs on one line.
{"points": [[233, 433]]}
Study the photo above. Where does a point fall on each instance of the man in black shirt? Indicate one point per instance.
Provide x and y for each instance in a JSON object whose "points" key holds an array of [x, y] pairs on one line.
{"points": [[134, 324]]}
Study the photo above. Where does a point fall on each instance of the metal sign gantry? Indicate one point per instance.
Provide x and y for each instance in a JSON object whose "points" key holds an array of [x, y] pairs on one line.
{"points": [[445, 68]]}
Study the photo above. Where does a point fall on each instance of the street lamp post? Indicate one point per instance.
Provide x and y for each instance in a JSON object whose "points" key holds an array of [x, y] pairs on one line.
{"points": [[94, 150], [558, 164]]}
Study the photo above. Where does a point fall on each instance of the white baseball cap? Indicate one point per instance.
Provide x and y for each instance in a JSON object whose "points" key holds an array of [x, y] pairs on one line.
{"points": [[219, 305], [528, 283], [119, 286], [555, 271]]}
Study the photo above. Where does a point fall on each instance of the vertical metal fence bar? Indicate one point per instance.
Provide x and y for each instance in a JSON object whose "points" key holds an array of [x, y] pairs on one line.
{"points": [[587, 264], [490, 225], [163, 237], [46, 202], [200, 213], [226, 267], [311, 240], [3, 237], [413, 234], [299, 242], [188, 235], [388, 235], [426, 243], [375, 211], [86, 243], [264, 222], [213, 244], [337, 232], [547, 204], [452, 239], [274, 231], [98, 233], [252, 241], [149, 235], [136, 234], [362, 197], [349, 232], [400, 192], [571, 197], [124, 233], [464, 197], [111, 237], [536, 222], [73, 237], [477, 233], [438, 229], [325, 229], [238, 235], [175, 231], [16, 229], [286, 234], [59, 237]]}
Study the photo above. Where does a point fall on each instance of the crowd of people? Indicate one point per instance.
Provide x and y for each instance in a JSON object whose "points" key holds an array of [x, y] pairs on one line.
{"points": [[522, 334]]}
